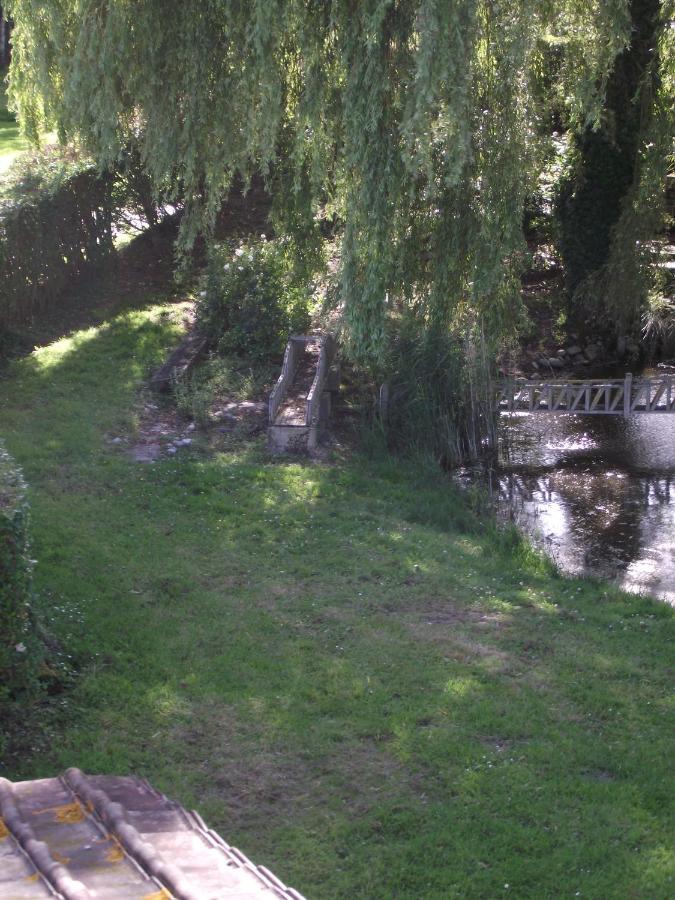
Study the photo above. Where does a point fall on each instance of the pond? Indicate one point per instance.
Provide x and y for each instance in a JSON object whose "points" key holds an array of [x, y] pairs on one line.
{"points": [[596, 492]]}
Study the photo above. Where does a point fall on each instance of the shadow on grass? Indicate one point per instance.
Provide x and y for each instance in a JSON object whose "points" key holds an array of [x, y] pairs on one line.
{"points": [[137, 276], [336, 664]]}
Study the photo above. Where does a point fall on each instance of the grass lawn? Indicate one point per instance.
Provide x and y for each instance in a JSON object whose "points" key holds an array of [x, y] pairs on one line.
{"points": [[349, 679], [11, 142]]}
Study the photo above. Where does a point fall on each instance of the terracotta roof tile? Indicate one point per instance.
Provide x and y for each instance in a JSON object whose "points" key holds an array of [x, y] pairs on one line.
{"points": [[82, 837]]}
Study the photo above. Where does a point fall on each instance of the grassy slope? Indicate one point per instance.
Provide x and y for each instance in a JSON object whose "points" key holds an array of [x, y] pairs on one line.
{"points": [[347, 682]]}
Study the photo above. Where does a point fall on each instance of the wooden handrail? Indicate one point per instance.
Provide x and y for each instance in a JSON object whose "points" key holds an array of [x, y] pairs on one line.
{"points": [[598, 396]]}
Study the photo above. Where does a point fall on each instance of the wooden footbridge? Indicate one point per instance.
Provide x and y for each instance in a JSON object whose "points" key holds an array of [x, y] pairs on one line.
{"points": [[596, 397]]}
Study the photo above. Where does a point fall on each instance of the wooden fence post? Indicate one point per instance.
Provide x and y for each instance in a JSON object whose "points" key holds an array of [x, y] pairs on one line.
{"points": [[627, 394], [383, 404]]}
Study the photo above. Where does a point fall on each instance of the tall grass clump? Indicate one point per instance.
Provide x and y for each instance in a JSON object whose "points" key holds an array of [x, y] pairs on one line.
{"points": [[437, 399], [658, 325]]}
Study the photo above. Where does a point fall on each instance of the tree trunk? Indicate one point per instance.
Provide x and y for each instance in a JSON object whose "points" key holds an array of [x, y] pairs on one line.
{"points": [[591, 201]]}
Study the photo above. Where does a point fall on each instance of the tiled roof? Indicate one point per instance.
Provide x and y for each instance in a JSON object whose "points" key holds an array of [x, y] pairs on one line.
{"points": [[100, 837]]}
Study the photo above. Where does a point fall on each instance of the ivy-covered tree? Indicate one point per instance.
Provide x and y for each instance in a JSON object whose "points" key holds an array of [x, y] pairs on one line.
{"points": [[415, 121], [610, 159]]}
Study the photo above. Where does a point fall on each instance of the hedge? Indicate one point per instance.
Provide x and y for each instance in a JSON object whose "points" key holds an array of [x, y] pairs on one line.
{"points": [[20, 647], [55, 222]]}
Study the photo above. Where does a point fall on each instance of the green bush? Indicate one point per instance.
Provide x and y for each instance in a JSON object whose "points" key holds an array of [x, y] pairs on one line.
{"points": [[253, 300], [55, 222], [20, 648]]}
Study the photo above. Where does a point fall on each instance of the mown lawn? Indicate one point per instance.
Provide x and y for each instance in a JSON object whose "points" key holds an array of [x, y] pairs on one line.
{"points": [[348, 678]]}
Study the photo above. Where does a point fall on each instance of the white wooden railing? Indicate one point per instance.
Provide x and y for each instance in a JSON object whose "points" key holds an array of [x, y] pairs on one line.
{"points": [[604, 397]]}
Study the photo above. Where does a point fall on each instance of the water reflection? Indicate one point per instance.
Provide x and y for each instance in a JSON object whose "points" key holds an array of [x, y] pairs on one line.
{"points": [[598, 493]]}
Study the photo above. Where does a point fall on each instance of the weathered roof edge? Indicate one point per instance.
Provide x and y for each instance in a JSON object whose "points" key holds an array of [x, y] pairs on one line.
{"points": [[112, 818]]}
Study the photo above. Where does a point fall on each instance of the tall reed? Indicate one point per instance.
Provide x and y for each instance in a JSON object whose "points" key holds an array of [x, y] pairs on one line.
{"points": [[438, 398]]}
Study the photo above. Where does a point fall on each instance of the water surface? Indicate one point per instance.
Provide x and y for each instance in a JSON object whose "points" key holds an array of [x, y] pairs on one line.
{"points": [[596, 492]]}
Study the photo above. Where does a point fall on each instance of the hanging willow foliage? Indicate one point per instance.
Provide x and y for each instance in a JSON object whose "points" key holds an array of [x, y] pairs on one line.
{"points": [[415, 120]]}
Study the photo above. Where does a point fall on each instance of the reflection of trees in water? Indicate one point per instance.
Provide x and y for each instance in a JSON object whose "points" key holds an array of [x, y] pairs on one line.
{"points": [[606, 516], [641, 444], [596, 482]]}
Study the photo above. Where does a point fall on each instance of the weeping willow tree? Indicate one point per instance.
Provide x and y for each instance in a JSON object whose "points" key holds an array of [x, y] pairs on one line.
{"points": [[416, 122]]}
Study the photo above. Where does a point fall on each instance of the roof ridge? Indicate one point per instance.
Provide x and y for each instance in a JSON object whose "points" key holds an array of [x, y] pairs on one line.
{"points": [[83, 824], [54, 873], [113, 816]]}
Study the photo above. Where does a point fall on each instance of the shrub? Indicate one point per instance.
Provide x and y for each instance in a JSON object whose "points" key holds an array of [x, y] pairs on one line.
{"points": [[253, 300], [20, 648], [55, 222], [658, 324]]}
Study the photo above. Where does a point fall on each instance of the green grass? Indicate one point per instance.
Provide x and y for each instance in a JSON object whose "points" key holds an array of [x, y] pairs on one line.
{"points": [[349, 679], [11, 141]]}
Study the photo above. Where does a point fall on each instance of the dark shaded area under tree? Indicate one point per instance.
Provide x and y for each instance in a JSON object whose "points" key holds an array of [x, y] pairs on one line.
{"points": [[590, 202]]}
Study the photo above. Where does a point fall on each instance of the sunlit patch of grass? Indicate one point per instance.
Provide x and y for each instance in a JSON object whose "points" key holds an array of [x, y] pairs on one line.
{"points": [[54, 354], [351, 675], [12, 142]]}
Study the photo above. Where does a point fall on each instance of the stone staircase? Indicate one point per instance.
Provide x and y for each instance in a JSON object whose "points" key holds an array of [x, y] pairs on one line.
{"points": [[300, 404]]}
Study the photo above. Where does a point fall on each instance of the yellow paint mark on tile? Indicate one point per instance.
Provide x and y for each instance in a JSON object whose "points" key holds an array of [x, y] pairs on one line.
{"points": [[115, 854], [33, 877], [160, 895], [66, 814], [4, 830], [69, 813]]}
